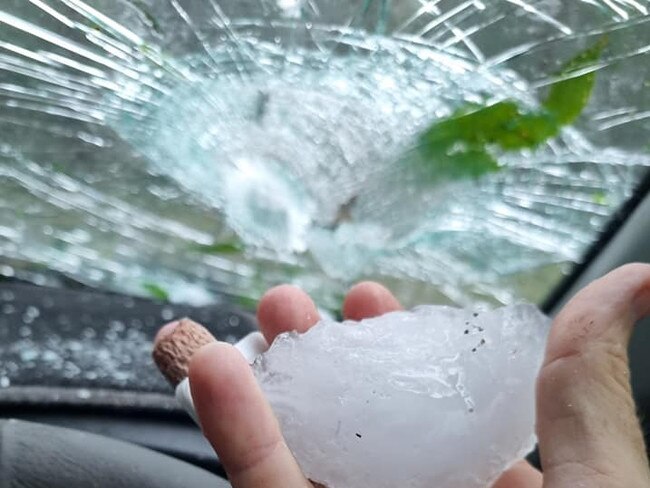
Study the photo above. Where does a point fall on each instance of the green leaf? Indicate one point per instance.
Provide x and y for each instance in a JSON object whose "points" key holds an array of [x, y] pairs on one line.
{"points": [[527, 131], [600, 198], [473, 125], [501, 124], [567, 99], [226, 247], [459, 146], [246, 303], [156, 291]]}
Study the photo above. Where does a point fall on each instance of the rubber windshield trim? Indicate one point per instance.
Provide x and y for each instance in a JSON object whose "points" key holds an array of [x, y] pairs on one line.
{"points": [[615, 224]]}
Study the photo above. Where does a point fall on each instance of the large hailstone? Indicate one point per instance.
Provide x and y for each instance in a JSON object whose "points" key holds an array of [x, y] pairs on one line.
{"points": [[438, 396]]}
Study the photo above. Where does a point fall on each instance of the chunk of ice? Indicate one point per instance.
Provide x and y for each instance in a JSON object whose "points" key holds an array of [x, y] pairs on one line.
{"points": [[437, 396]]}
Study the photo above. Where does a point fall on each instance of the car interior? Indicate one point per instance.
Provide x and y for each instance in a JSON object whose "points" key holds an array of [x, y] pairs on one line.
{"points": [[162, 159]]}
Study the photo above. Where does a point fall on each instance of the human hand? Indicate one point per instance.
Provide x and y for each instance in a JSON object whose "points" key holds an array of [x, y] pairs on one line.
{"points": [[586, 422]]}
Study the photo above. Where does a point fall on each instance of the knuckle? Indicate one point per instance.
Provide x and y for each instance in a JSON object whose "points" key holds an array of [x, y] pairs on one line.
{"points": [[571, 332], [633, 269], [256, 456]]}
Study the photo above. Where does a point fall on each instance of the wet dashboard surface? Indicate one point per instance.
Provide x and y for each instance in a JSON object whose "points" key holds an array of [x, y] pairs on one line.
{"points": [[90, 345]]}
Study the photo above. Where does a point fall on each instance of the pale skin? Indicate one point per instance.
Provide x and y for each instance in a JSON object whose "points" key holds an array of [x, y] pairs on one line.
{"points": [[589, 435]]}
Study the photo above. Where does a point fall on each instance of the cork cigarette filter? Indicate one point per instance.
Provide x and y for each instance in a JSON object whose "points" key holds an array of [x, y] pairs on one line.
{"points": [[173, 352]]}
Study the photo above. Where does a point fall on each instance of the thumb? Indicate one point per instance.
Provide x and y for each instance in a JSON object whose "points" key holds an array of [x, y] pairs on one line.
{"points": [[586, 421]]}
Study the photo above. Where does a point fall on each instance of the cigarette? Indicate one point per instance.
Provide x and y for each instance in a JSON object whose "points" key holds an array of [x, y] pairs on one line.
{"points": [[173, 352]]}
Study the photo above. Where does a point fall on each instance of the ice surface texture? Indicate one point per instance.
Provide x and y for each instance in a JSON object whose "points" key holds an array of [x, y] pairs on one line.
{"points": [[438, 396]]}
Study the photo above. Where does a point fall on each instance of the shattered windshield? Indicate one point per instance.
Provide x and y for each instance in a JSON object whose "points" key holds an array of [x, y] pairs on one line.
{"points": [[462, 152]]}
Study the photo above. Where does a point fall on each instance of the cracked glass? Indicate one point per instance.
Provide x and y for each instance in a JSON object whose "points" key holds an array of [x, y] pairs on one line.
{"points": [[462, 152]]}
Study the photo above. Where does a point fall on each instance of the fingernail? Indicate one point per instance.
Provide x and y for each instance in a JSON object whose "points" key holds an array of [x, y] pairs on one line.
{"points": [[175, 345], [165, 330]]}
